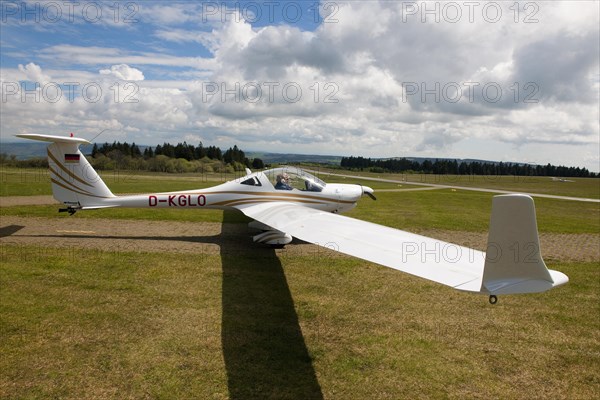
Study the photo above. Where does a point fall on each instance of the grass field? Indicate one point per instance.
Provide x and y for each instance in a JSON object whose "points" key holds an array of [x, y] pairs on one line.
{"points": [[252, 322], [575, 187]]}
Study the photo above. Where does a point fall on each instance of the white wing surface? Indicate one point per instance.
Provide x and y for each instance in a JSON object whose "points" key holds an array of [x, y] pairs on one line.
{"points": [[513, 223], [428, 258]]}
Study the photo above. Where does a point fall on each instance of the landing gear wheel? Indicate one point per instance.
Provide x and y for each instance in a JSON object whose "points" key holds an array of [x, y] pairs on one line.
{"points": [[277, 246], [493, 299]]}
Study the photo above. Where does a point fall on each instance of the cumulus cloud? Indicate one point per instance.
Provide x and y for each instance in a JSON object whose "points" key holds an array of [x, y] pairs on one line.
{"points": [[355, 77], [124, 72], [564, 65], [34, 73]]}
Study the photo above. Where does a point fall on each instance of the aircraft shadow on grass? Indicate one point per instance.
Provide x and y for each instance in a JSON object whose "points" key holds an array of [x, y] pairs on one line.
{"points": [[263, 347], [10, 230], [264, 350]]}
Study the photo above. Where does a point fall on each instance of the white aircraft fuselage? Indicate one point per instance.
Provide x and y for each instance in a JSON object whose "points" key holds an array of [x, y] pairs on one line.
{"points": [[336, 198]]}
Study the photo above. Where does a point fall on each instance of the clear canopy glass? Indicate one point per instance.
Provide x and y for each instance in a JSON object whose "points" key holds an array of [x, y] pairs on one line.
{"points": [[290, 178]]}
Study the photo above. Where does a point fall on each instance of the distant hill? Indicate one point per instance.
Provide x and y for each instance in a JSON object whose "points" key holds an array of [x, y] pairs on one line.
{"points": [[281, 158], [25, 150], [421, 160]]}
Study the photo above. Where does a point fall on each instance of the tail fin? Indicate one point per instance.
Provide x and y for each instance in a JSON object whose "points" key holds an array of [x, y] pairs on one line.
{"points": [[513, 263], [74, 181]]}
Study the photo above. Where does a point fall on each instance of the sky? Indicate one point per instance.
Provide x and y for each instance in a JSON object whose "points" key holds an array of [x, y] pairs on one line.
{"points": [[504, 81]]}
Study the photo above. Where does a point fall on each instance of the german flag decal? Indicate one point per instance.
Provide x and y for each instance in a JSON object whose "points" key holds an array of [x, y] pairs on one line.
{"points": [[71, 158]]}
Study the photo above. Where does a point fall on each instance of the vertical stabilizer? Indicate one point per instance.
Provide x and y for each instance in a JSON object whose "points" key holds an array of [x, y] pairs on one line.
{"points": [[74, 181]]}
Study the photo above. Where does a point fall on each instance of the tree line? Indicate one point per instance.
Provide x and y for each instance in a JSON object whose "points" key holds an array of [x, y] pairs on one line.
{"points": [[180, 150], [453, 167], [182, 157], [178, 158]]}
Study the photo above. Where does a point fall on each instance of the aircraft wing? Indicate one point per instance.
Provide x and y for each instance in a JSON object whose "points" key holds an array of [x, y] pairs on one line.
{"points": [[428, 258], [512, 223]]}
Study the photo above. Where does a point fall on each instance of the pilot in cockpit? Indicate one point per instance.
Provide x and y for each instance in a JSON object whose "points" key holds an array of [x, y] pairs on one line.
{"points": [[282, 182]]}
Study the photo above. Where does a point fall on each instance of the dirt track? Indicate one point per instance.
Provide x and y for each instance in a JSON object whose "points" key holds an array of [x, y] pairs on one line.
{"points": [[7, 201], [212, 238]]}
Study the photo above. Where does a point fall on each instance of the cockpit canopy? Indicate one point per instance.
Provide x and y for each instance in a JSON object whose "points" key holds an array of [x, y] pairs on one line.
{"points": [[289, 178]]}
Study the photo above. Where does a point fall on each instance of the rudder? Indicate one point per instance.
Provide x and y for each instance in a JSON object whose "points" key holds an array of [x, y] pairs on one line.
{"points": [[75, 183]]}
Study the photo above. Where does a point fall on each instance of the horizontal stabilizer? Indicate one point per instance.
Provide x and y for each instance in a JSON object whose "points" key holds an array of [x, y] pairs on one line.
{"points": [[52, 138]]}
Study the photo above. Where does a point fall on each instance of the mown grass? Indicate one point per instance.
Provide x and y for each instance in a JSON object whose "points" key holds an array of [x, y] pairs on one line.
{"points": [[256, 323], [470, 211], [394, 336], [94, 324], [576, 187]]}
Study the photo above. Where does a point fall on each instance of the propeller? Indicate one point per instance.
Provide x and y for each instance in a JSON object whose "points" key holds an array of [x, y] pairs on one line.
{"points": [[369, 192]]}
